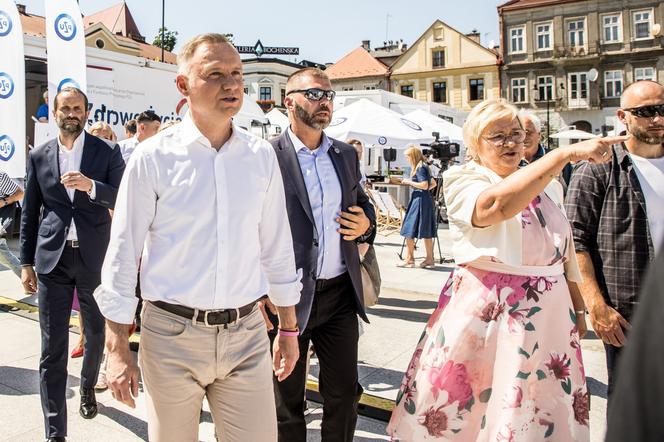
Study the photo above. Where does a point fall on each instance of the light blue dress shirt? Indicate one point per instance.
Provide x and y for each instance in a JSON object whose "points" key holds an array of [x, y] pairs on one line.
{"points": [[324, 191]]}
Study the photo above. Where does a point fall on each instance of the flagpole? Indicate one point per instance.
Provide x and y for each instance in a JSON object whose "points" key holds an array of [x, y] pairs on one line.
{"points": [[163, 15]]}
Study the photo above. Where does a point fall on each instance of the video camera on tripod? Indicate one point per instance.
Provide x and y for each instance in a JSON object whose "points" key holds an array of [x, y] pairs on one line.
{"points": [[441, 149]]}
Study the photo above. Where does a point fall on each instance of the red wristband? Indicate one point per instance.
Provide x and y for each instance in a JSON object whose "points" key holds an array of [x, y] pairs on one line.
{"points": [[289, 334]]}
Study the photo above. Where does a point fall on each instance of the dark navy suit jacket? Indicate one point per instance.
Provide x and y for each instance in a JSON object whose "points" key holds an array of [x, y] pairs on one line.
{"points": [[48, 211], [302, 224]]}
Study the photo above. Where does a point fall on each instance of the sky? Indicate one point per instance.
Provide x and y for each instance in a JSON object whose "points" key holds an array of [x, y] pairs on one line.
{"points": [[324, 31]]}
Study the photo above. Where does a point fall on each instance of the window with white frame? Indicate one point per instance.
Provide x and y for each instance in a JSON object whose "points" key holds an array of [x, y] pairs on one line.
{"points": [[611, 28], [545, 88], [543, 35], [518, 90], [518, 40], [265, 93], [576, 33], [646, 73], [613, 84], [642, 22]]}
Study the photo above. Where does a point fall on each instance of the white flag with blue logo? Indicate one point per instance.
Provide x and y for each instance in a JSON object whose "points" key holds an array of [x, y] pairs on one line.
{"points": [[12, 92], [65, 46]]}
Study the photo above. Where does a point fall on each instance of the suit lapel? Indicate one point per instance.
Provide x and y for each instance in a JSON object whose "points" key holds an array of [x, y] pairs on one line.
{"points": [[54, 161], [342, 173], [294, 174]]}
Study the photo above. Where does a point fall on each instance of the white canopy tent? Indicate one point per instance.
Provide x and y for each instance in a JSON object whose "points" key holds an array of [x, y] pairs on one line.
{"points": [[376, 125], [436, 124], [277, 120], [573, 134]]}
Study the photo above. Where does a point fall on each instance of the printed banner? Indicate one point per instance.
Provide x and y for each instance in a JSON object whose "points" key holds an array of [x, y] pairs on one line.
{"points": [[12, 92], [65, 47]]}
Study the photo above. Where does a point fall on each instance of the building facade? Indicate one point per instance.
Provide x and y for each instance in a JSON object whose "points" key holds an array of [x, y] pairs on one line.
{"points": [[569, 60], [447, 67]]}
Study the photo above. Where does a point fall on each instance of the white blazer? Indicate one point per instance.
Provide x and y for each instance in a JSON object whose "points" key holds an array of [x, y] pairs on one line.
{"points": [[462, 185]]}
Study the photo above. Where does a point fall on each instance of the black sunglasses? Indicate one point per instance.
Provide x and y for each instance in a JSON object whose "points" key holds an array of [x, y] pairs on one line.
{"points": [[314, 93], [647, 111]]}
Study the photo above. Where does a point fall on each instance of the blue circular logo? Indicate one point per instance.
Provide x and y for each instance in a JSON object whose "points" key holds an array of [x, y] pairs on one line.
{"points": [[6, 85], [5, 24], [68, 82], [410, 124], [382, 141], [65, 27], [7, 148]]}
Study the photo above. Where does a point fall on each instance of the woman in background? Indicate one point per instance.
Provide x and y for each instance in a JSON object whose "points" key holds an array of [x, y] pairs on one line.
{"points": [[420, 219]]}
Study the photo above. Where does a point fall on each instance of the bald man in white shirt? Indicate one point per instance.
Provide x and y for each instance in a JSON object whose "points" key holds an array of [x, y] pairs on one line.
{"points": [[202, 206]]}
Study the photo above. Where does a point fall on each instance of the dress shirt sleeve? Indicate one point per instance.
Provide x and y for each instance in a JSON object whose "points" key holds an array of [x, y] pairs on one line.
{"points": [[461, 188], [277, 253], [583, 203], [134, 212]]}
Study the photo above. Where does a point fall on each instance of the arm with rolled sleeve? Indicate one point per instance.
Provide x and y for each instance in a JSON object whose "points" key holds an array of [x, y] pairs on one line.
{"points": [[277, 256], [134, 212]]}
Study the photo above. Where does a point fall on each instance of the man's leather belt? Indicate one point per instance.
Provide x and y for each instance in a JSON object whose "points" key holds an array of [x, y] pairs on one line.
{"points": [[72, 243], [208, 317], [324, 284]]}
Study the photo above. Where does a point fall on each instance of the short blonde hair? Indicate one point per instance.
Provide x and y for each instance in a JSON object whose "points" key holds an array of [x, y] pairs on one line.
{"points": [[99, 127], [482, 115], [189, 48]]}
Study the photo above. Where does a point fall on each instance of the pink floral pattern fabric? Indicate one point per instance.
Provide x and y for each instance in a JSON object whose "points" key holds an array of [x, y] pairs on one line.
{"points": [[500, 358]]}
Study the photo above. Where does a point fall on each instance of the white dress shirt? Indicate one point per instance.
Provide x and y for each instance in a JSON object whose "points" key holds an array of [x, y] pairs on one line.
{"points": [[69, 160], [127, 147], [650, 173], [324, 192], [210, 227]]}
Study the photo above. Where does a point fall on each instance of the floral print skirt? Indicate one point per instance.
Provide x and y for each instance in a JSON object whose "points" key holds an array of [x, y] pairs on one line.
{"points": [[499, 360]]}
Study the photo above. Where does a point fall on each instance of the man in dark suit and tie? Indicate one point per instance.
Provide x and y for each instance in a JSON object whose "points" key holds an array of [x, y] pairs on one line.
{"points": [[71, 184], [329, 214]]}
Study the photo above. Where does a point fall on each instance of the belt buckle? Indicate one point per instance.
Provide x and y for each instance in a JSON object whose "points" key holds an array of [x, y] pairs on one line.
{"points": [[225, 311], [74, 244]]}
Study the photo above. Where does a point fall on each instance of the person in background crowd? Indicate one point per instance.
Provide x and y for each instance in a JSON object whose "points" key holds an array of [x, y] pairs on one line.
{"points": [[65, 226], [420, 219], [42, 112], [500, 357], [359, 148], [533, 147], [130, 128], [205, 196], [636, 410], [617, 215], [147, 125], [102, 130], [329, 215], [10, 194]]}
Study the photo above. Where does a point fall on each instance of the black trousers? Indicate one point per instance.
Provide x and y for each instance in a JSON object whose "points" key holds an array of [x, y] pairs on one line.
{"points": [[55, 294], [333, 330]]}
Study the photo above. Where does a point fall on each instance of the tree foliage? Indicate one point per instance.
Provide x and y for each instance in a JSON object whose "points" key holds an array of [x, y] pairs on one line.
{"points": [[170, 39]]}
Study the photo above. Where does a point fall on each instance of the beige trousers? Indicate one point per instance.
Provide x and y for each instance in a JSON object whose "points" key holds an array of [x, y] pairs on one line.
{"points": [[183, 362]]}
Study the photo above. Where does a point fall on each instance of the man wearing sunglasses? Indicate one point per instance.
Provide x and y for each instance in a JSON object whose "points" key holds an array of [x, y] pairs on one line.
{"points": [[329, 215], [617, 215]]}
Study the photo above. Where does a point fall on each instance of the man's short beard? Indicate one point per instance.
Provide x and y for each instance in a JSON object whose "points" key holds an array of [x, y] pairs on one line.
{"points": [[644, 137], [70, 128], [309, 119]]}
